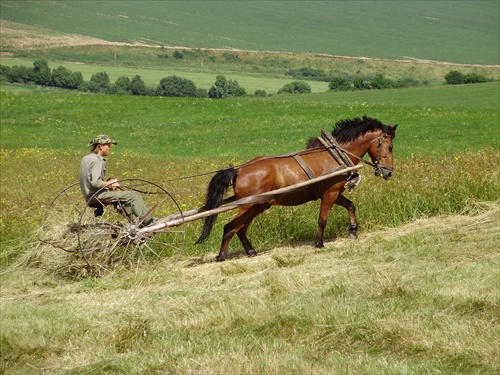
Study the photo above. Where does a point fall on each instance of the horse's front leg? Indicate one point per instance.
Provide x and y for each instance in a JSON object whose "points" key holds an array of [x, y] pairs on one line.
{"points": [[349, 206], [327, 201]]}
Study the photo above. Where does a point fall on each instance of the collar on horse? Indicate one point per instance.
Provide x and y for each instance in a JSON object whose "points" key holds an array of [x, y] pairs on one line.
{"points": [[341, 155]]}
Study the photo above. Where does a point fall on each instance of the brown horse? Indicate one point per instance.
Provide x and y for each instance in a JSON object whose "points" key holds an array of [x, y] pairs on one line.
{"points": [[355, 138]]}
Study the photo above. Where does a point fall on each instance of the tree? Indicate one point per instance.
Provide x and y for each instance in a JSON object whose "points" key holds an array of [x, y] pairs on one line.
{"points": [[65, 78], [137, 86], [295, 87], [4, 73], [176, 86], [99, 83], [122, 86], [42, 72], [224, 88], [20, 74]]}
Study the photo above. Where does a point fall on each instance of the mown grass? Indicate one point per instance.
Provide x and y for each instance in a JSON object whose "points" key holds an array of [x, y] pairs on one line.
{"points": [[418, 299]]}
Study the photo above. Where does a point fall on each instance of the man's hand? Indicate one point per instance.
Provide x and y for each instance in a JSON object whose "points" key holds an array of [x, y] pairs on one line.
{"points": [[112, 184]]}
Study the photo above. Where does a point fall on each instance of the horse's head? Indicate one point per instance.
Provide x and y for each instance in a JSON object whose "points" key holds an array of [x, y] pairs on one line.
{"points": [[380, 152]]}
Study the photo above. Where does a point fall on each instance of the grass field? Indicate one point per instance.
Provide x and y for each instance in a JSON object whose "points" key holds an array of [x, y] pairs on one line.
{"points": [[434, 121]]}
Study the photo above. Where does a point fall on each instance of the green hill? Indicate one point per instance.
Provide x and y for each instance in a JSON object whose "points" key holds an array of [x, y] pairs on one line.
{"points": [[453, 31]]}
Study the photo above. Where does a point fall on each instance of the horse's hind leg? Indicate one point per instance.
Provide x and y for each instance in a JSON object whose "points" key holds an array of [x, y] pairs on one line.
{"points": [[239, 225], [349, 206], [327, 202]]}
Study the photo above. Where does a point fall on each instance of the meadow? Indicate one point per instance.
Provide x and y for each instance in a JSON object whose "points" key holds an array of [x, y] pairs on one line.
{"points": [[417, 293]]}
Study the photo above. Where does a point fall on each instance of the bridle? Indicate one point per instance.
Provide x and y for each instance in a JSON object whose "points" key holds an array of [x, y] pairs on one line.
{"points": [[380, 169]]}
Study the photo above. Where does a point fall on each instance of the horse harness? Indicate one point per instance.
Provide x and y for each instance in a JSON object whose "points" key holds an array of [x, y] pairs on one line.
{"points": [[338, 154]]}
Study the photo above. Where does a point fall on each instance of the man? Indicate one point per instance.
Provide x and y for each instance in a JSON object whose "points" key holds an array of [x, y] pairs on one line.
{"points": [[92, 180]]}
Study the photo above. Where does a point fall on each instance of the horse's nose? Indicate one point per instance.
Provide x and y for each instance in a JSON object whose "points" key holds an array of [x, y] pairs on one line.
{"points": [[388, 175]]}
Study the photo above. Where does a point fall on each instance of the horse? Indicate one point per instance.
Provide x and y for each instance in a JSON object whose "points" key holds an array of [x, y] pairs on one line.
{"points": [[350, 138]]}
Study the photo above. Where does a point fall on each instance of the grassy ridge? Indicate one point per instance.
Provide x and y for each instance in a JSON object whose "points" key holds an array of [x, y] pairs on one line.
{"points": [[460, 32]]}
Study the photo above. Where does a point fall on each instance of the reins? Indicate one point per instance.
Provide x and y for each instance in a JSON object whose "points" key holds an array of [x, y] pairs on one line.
{"points": [[331, 146]]}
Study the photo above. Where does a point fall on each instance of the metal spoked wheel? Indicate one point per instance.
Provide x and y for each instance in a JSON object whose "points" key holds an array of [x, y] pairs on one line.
{"points": [[108, 236], [60, 226]]}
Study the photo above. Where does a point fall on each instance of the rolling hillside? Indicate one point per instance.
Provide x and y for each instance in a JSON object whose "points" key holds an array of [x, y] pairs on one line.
{"points": [[454, 31]]}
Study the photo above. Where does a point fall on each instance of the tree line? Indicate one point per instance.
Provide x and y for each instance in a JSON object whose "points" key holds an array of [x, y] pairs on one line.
{"points": [[175, 86], [100, 82]]}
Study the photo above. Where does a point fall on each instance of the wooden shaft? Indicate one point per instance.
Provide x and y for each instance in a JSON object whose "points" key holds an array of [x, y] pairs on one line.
{"points": [[199, 213]]}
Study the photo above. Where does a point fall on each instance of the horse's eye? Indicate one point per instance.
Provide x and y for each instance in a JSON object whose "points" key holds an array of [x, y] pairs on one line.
{"points": [[390, 148]]}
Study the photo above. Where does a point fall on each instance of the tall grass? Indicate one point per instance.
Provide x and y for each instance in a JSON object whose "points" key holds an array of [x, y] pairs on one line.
{"points": [[420, 188]]}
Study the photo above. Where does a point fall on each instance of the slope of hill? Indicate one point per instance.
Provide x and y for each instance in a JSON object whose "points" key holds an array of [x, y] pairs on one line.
{"points": [[459, 32]]}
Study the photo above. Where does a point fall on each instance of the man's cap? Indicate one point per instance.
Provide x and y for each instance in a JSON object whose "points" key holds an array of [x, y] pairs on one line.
{"points": [[101, 139]]}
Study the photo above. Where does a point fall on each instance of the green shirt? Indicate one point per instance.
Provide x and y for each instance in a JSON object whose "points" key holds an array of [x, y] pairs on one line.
{"points": [[92, 174]]}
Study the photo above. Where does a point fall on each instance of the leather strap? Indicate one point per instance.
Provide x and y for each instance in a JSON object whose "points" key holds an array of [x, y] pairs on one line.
{"points": [[304, 166], [334, 148]]}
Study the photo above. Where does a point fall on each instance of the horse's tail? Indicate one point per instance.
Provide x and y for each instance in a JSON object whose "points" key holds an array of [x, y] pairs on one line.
{"points": [[217, 188]]}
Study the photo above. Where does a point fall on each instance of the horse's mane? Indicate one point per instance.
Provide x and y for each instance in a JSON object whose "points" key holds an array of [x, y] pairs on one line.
{"points": [[348, 130]]}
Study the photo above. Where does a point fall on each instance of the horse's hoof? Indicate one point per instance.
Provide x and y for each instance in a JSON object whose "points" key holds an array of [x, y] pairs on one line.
{"points": [[251, 253], [319, 245], [220, 258], [353, 236]]}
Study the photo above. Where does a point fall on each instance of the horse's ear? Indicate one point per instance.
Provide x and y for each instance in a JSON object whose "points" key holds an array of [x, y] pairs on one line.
{"points": [[394, 127]]}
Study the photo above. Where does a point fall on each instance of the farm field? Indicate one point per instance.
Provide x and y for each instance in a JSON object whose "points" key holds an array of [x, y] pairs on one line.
{"points": [[417, 293], [464, 32]]}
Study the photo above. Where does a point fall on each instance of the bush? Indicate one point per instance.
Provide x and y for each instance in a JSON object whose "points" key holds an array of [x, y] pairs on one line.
{"points": [[456, 78], [474, 78], [122, 86], [225, 88], [339, 84], [176, 86], [295, 87], [178, 54], [380, 82], [306, 72], [260, 93], [360, 84]]}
